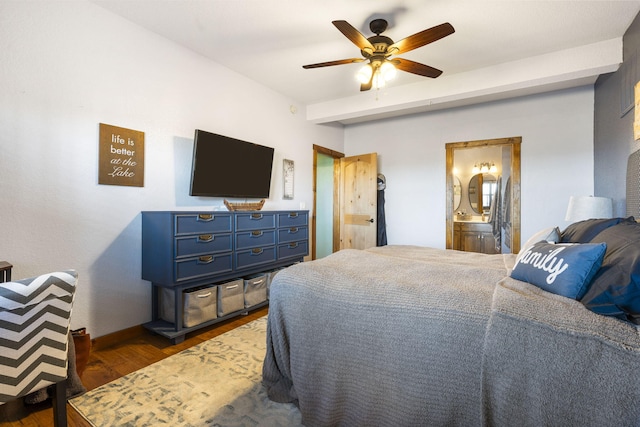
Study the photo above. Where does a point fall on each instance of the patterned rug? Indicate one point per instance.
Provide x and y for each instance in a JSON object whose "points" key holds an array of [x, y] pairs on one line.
{"points": [[215, 383]]}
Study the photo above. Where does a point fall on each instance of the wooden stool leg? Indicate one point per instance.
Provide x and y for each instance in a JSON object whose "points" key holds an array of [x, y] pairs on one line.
{"points": [[59, 402]]}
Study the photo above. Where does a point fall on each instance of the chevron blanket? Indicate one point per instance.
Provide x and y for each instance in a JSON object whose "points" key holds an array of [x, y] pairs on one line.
{"points": [[34, 324], [404, 335]]}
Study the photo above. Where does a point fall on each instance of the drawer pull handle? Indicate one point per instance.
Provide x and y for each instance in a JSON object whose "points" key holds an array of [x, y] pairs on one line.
{"points": [[293, 230], [208, 294], [256, 233], [205, 238], [258, 282], [256, 216], [293, 215], [207, 259], [256, 251], [205, 217], [231, 287], [293, 245]]}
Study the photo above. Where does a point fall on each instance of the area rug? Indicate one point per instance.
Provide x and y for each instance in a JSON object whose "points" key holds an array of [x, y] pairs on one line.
{"points": [[215, 383]]}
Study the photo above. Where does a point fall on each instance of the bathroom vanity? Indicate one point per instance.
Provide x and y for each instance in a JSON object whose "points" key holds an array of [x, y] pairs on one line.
{"points": [[473, 236]]}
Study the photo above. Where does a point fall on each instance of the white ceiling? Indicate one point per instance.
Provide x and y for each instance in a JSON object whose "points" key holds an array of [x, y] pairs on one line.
{"points": [[500, 48]]}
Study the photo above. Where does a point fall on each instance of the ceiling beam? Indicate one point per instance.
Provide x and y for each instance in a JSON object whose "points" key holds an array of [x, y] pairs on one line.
{"points": [[553, 71]]}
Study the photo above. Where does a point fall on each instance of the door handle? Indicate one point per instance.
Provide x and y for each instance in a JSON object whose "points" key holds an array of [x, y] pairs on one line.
{"points": [[370, 220]]}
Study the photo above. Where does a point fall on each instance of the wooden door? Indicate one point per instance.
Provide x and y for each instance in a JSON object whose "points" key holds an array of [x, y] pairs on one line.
{"points": [[358, 201]]}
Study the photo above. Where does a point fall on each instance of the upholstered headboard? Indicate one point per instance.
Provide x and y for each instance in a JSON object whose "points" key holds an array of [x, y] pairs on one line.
{"points": [[633, 185]]}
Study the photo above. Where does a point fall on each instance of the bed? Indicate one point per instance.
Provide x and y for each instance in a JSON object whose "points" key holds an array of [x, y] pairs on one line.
{"points": [[408, 336]]}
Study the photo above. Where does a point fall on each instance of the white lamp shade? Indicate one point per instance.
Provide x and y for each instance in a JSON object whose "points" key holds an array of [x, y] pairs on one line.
{"points": [[588, 207]]}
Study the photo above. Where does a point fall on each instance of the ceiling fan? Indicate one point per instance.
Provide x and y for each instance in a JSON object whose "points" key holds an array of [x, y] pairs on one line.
{"points": [[378, 50]]}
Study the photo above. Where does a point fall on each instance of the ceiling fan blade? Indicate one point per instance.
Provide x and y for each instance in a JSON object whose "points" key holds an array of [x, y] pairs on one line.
{"points": [[415, 68], [420, 39], [330, 63], [354, 35]]}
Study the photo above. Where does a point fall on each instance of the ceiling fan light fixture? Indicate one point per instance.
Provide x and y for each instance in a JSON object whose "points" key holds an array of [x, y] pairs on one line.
{"points": [[388, 71], [364, 74], [377, 49]]}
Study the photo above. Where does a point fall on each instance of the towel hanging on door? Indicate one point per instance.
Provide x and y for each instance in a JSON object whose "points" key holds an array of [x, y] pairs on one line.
{"points": [[495, 215], [382, 227]]}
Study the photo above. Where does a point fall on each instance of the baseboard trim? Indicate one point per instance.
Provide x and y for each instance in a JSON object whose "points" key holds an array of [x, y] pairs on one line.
{"points": [[117, 337]]}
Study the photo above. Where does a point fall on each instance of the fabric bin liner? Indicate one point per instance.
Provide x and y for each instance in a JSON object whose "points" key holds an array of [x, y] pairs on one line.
{"points": [[198, 305], [270, 276], [230, 297], [255, 289]]}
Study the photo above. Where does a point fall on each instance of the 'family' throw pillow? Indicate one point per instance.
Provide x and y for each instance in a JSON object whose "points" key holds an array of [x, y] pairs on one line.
{"points": [[563, 269]]}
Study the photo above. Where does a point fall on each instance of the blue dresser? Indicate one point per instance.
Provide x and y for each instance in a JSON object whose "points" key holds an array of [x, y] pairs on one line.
{"points": [[186, 250]]}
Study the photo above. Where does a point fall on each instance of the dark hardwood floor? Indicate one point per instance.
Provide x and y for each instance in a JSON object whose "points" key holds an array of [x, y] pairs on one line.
{"points": [[112, 358]]}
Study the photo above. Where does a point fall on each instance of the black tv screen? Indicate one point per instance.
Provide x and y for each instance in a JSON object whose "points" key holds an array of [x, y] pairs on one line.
{"points": [[228, 167]]}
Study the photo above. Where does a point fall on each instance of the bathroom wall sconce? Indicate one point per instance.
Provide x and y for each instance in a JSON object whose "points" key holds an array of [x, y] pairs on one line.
{"points": [[485, 167]]}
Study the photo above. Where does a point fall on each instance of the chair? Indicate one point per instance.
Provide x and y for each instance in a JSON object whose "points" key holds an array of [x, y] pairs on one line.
{"points": [[34, 326]]}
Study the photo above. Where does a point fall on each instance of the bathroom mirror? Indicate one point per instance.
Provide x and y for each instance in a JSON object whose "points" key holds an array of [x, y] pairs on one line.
{"points": [[457, 192], [482, 187]]}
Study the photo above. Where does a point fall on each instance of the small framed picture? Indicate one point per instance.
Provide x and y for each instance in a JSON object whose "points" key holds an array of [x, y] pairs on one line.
{"points": [[288, 171]]}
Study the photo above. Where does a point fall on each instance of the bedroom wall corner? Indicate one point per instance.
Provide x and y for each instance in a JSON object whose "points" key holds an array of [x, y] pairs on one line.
{"points": [[613, 130]]}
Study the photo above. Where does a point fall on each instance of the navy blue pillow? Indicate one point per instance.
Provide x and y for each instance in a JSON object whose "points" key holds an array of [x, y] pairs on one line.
{"points": [[563, 269], [615, 290], [584, 231]]}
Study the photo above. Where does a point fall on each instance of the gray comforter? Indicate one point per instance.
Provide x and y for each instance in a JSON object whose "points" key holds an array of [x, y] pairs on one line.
{"points": [[408, 336]]}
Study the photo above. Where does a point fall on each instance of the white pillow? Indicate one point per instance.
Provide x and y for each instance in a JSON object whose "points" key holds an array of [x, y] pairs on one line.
{"points": [[550, 235]]}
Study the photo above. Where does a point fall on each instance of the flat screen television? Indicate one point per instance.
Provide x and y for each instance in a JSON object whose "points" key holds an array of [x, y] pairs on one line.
{"points": [[228, 167]]}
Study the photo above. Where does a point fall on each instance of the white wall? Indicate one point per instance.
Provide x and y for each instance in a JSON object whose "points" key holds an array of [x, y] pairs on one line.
{"points": [[68, 66], [557, 159]]}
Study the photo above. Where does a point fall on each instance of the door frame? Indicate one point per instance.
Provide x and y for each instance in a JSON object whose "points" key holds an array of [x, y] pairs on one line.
{"points": [[336, 155], [514, 144]]}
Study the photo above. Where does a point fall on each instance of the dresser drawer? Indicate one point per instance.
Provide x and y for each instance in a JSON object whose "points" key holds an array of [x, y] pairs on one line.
{"points": [[255, 256], [294, 249], [200, 244], [203, 266], [293, 219], [255, 238], [204, 223], [255, 221], [292, 234]]}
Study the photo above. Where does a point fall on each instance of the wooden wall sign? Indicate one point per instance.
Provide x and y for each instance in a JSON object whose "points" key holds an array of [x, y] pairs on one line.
{"points": [[288, 172], [121, 156]]}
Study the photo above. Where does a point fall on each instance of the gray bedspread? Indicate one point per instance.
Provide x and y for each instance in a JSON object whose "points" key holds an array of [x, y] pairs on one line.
{"points": [[412, 336]]}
